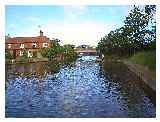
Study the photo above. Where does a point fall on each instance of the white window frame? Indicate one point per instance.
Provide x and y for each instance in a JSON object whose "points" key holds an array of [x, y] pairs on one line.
{"points": [[9, 45], [21, 45], [30, 54], [21, 53], [34, 44], [45, 44]]}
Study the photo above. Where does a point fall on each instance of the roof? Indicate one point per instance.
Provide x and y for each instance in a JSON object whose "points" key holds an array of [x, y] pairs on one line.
{"points": [[16, 40]]}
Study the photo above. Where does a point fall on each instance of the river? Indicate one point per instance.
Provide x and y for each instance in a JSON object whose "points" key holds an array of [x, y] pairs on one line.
{"points": [[79, 90]]}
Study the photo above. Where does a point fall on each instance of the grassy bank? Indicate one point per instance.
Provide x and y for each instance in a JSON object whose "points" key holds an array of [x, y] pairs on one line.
{"points": [[130, 71], [145, 59], [142, 64]]}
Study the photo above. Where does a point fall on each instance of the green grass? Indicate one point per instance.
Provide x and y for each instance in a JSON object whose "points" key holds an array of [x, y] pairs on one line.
{"points": [[146, 59]]}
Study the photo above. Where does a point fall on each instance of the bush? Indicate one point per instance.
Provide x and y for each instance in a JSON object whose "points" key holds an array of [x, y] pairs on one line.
{"points": [[8, 55], [56, 51], [69, 54]]}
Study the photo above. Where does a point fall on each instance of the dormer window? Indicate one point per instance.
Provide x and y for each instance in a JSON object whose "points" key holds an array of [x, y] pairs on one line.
{"points": [[22, 46], [9, 45], [34, 45], [45, 44]]}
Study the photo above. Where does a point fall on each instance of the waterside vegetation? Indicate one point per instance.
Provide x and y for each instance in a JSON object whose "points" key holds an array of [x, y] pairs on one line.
{"points": [[134, 43]]}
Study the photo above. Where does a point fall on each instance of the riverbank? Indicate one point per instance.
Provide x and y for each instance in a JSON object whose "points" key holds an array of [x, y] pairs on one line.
{"points": [[29, 60], [128, 73], [143, 64], [146, 75]]}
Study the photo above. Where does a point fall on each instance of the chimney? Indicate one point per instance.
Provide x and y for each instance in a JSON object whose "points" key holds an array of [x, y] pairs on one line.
{"points": [[41, 33]]}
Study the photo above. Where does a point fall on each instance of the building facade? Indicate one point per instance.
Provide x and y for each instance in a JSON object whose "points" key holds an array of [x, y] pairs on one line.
{"points": [[17, 46]]}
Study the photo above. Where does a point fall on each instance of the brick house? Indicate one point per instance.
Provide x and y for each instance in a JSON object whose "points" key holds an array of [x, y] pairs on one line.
{"points": [[17, 45]]}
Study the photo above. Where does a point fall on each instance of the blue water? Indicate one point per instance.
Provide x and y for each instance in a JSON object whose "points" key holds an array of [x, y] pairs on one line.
{"points": [[79, 90]]}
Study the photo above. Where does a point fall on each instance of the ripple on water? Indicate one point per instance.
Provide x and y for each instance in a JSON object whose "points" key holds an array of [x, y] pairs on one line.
{"points": [[81, 90]]}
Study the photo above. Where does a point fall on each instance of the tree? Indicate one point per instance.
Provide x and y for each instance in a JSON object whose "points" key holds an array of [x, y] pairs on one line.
{"points": [[8, 55], [137, 34], [69, 53], [56, 52], [24, 57], [51, 53], [150, 10], [135, 28], [25, 54]]}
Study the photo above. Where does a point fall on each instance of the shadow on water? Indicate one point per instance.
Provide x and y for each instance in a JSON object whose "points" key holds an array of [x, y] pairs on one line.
{"points": [[82, 89], [38, 70], [120, 72]]}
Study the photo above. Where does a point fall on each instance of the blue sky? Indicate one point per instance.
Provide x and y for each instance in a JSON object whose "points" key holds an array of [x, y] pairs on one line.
{"points": [[72, 24]]}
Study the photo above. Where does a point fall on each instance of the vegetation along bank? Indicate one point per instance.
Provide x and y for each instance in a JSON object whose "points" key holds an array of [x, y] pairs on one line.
{"points": [[134, 44]]}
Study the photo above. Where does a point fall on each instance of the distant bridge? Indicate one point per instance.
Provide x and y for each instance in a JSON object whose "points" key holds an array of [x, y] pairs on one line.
{"points": [[86, 52]]}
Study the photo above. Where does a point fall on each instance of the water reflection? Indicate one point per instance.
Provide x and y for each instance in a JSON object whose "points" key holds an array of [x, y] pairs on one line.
{"points": [[80, 90], [39, 70]]}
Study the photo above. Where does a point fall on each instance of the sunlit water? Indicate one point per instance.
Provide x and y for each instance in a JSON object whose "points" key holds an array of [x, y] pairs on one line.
{"points": [[79, 90]]}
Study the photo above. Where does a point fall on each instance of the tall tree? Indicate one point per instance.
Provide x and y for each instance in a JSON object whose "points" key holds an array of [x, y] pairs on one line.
{"points": [[135, 26], [137, 34]]}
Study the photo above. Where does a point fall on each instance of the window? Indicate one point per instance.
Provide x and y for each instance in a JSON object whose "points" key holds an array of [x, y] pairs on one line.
{"points": [[9, 45], [30, 54], [34, 45], [22, 46], [45, 44], [20, 53]]}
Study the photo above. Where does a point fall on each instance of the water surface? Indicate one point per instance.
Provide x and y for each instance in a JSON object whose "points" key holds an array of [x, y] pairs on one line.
{"points": [[79, 90]]}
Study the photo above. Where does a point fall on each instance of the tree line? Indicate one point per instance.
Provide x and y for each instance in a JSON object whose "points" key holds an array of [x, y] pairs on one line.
{"points": [[137, 34]]}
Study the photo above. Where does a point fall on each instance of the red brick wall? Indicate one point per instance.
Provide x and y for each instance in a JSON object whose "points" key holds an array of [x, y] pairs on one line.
{"points": [[28, 44]]}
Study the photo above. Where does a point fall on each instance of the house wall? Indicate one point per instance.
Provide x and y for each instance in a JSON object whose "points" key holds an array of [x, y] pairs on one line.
{"points": [[13, 45]]}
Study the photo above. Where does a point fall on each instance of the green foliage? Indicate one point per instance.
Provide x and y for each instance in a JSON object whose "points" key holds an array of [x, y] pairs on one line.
{"points": [[25, 54], [150, 10], [24, 57], [66, 52], [53, 66], [47, 53], [136, 34], [135, 28], [69, 54], [51, 53], [147, 59], [8, 55]]}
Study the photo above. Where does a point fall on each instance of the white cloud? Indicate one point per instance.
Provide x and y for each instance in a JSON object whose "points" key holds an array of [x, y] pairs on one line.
{"points": [[79, 32], [85, 32], [72, 30], [73, 33]]}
